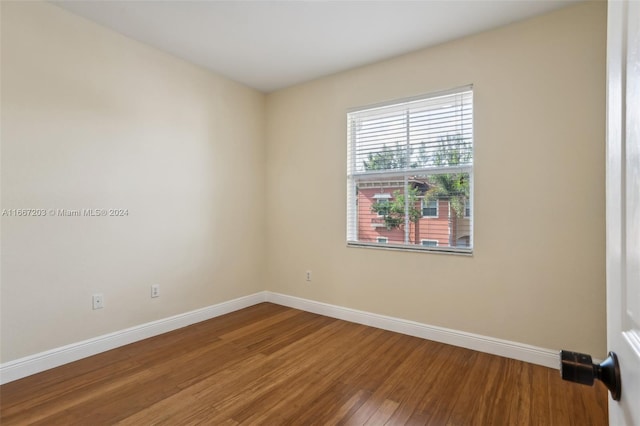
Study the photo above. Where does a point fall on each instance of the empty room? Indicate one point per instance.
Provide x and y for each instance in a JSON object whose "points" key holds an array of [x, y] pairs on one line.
{"points": [[320, 212]]}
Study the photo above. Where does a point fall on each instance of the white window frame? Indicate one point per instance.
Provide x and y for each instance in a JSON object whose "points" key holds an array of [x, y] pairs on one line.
{"points": [[382, 196], [422, 207], [382, 240], [379, 176], [422, 243]]}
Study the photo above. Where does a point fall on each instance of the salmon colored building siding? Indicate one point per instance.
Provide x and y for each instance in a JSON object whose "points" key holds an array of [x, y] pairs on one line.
{"points": [[370, 225], [441, 228], [435, 228]]}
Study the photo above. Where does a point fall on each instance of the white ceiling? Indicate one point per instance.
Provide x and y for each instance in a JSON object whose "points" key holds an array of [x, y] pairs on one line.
{"points": [[269, 45]]}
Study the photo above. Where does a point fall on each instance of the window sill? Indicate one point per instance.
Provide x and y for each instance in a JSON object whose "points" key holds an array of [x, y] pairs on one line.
{"points": [[436, 250]]}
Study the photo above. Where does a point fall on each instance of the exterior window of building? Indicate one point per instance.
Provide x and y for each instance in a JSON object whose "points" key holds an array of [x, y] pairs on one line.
{"points": [[382, 207], [429, 208], [410, 173], [382, 204]]}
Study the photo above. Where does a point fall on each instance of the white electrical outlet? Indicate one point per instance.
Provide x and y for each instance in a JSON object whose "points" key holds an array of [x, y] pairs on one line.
{"points": [[155, 290], [98, 301], [308, 275]]}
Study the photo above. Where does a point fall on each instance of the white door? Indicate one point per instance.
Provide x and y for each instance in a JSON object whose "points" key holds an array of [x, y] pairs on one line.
{"points": [[623, 204]]}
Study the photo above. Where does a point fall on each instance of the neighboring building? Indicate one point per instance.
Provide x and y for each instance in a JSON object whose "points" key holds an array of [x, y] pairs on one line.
{"points": [[438, 225]]}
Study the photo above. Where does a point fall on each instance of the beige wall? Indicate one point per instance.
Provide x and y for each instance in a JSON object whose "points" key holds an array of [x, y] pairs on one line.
{"points": [[537, 275], [92, 119]]}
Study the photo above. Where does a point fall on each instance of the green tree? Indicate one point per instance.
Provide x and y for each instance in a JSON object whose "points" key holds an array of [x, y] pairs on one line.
{"points": [[393, 210], [453, 186], [389, 158], [452, 151]]}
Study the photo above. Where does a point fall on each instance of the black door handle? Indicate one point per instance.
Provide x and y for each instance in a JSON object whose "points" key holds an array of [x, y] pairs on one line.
{"points": [[579, 368]]}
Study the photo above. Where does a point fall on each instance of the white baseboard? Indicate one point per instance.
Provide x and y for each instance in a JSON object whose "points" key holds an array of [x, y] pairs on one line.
{"points": [[23, 367], [42, 361], [477, 342]]}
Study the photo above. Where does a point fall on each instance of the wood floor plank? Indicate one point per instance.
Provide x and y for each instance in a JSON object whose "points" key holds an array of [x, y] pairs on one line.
{"points": [[273, 365], [383, 413], [345, 411]]}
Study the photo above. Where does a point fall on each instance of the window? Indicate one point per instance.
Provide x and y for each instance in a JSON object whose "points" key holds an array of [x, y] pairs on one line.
{"points": [[406, 160], [382, 204], [382, 207], [429, 208]]}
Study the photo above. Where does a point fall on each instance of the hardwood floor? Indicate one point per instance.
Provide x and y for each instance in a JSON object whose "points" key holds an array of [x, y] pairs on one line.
{"points": [[273, 365]]}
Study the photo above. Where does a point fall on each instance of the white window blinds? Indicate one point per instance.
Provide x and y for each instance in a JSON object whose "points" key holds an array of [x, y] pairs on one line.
{"points": [[411, 154]]}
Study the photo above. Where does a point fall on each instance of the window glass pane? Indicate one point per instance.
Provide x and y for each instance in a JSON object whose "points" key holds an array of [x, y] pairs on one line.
{"points": [[394, 210], [409, 171], [430, 208]]}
